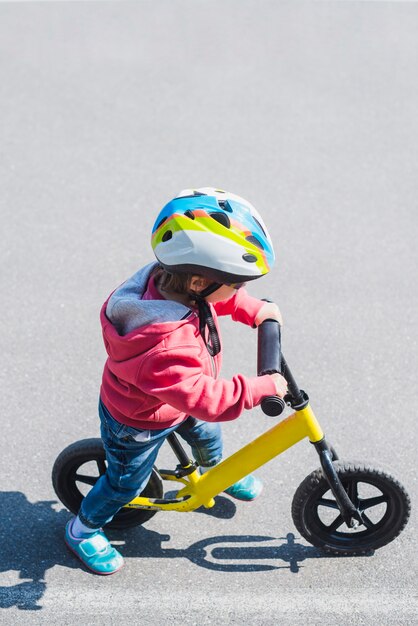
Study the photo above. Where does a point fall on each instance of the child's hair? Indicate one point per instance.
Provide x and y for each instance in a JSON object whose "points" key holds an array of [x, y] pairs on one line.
{"points": [[179, 282], [173, 281]]}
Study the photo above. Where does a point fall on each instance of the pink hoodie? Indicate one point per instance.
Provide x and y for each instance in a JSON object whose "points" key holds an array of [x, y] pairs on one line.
{"points": [[160, 372]]}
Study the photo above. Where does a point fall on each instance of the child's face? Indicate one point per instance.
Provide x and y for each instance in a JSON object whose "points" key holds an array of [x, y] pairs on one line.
{"points": [[223, 293]]}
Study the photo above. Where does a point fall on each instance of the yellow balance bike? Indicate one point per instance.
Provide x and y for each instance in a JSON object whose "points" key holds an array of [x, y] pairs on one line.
{"points": [[342, 507]]}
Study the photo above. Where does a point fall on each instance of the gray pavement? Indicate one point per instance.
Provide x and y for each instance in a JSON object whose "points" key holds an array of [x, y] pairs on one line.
{"points": [[309, 110]]}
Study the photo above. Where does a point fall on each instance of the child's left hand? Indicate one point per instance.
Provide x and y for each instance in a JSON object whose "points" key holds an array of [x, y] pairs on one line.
{"points": [[269, 311]]}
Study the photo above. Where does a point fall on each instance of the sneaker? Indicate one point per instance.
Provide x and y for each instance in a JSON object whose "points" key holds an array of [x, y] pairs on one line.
{"points": [[247, 488], [95, 551]]}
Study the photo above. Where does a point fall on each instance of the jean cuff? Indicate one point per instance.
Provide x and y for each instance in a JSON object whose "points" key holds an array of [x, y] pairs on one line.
{"points": [[86, 522], [212, 463]]}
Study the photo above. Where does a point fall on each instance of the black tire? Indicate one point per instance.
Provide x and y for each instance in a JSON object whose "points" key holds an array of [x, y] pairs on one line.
{"points": [[385, 502], [88, 455]]}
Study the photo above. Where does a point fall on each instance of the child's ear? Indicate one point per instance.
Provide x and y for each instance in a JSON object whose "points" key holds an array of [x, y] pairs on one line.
{"points": [[198, 283]]}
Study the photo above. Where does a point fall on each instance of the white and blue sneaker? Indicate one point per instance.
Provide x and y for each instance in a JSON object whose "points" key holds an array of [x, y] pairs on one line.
{"points": [[95, 551]]}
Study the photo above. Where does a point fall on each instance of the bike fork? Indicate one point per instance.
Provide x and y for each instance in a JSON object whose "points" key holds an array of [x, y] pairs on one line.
{"points": [[350, 514]]}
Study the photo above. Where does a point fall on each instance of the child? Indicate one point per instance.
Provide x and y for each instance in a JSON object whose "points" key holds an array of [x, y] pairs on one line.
{"points": [[164, 355]]}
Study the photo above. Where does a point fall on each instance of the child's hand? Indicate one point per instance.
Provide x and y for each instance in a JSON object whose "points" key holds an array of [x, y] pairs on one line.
{"points": [[269, 311], [281, 384]]}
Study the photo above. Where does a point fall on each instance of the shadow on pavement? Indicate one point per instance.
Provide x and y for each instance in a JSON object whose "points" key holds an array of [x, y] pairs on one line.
{"points": [[31, 542], [223, 509], [216, 553]]}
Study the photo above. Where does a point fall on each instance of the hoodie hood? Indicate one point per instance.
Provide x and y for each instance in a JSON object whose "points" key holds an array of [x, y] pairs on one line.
{"points": [[132, 326]]}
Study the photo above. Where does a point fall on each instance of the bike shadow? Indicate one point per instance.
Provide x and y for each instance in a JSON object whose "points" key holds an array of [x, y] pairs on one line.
{"points": [[225, 553], [32, 542]]}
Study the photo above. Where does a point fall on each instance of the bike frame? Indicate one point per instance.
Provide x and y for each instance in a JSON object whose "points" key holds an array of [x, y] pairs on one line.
{"points": [[199, 490]]}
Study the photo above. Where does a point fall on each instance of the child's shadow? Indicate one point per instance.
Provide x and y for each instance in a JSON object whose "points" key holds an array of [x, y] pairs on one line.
{"points": [[31, 542]]}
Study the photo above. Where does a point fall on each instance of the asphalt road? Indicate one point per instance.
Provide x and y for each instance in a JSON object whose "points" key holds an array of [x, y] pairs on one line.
{"points": [[309, 109]]}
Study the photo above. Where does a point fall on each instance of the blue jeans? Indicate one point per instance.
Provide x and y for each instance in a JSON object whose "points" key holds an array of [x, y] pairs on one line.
{"points": [[131, 454]]}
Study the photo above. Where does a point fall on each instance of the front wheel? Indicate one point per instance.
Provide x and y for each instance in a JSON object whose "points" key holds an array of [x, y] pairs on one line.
{"points": [[383, 502], [78, 468]]}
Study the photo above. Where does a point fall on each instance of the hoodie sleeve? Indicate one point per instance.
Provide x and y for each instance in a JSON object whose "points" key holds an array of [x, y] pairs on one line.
{"points": [[177, 379], [241, 307]]}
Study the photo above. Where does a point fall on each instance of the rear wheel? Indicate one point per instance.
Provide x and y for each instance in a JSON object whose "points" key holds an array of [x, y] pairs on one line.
{"points": [[78, 468], [382, 500]]}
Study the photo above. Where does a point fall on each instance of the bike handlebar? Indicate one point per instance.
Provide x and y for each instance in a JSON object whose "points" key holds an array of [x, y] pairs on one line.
{"points": [[269, 361]]}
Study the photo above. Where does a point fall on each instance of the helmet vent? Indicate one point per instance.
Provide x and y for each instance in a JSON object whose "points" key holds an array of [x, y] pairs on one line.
{"points": [[255, 241], [259, 225], [161, 222], [167, 235], [189, 214], [250, 258], [221, 218], [224, 204]]}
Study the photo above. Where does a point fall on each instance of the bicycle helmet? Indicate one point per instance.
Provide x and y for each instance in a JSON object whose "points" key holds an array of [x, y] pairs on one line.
{"points": [[213, 233]]}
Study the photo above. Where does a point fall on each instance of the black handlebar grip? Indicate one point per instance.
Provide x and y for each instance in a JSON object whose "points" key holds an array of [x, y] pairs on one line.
{"points": [[269, 361], [269, 354], [273, 406]]}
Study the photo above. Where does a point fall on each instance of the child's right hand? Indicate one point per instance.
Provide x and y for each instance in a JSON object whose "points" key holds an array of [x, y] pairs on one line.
{"points": [[281, 384]]}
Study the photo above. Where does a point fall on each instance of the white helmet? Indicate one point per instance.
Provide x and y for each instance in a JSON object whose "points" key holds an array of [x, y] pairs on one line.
{"points": [[214, 233]]}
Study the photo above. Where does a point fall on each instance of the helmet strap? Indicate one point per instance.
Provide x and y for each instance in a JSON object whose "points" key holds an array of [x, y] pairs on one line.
{"points": [[206, 321], [210, 289]]}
